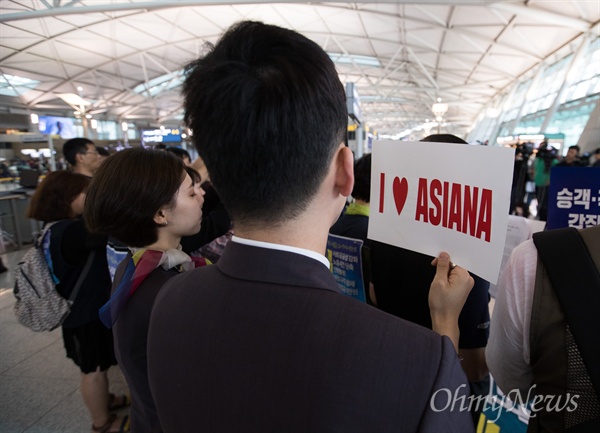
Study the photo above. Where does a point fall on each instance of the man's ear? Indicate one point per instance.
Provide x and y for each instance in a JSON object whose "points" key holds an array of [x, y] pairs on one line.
{"points": [[344, 177], [79, 158]]}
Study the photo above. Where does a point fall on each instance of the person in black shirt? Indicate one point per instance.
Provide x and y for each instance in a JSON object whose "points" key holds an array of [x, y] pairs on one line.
{"points": [[60, 198]]}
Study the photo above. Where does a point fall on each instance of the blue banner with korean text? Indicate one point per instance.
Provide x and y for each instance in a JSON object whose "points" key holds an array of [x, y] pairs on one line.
{"points": [[574, 197], [344, 255]]}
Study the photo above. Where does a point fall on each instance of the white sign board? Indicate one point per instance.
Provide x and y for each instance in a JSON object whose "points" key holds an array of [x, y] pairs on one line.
{"points": [[433, 197], [517, 232]]}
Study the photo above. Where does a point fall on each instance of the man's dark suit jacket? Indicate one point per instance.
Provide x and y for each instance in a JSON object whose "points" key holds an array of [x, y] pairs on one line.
{"points": [[264, 342]]}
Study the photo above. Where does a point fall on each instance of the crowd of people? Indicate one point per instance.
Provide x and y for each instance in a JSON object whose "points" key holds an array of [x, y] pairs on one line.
{"points": [[531, 174], [209, 286]]}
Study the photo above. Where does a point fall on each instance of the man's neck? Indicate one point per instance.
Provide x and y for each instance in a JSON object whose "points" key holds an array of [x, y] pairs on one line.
{"points": [[301, 233], [83, 170], [308, 242], [310, 229]]}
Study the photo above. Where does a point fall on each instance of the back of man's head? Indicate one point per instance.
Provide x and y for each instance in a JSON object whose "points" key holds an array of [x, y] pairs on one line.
{"points": [[74, 146], [267, 110]]}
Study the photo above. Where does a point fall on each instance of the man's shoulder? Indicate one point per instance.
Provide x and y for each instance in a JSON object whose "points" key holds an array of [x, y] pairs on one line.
{"points": [[192, 278], [190, 290], [356, 346], [211, 279]]}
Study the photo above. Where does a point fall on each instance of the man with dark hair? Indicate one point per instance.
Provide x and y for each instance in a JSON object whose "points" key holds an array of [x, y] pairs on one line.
{"points": [[85, 158], [571, 159], [264, 341], [82, 156]]}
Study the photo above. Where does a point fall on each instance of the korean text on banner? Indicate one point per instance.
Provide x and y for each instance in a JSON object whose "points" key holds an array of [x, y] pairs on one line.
{"points": [[574, 197], [433, 197], [345, 261]]}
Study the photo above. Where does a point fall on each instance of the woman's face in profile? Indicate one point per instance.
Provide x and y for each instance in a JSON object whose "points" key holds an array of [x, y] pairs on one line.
{"points": [[185, 217]]}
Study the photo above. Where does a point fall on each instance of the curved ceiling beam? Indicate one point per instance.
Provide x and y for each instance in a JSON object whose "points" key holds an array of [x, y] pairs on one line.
{"points": [[543, 16], [70, 9], [147, 50], [162, 5], [58, 35]]}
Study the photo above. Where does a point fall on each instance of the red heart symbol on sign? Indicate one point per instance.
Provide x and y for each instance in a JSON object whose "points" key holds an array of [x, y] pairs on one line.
{"points": [[400, 189]]}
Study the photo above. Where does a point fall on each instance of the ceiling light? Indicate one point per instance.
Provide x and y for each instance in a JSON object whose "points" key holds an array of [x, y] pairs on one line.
{"points": [[439, 109], [73, 99]]}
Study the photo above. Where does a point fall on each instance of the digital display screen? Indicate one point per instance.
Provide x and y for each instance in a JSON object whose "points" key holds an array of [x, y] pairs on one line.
{"points": [[165, 135], [63, 126]]}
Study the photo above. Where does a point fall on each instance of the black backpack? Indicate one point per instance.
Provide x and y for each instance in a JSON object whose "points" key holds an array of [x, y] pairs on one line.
{"points": [[564, 249]]}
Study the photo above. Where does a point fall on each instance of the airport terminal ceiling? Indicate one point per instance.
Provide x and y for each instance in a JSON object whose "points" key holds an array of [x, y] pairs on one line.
{"points": [[124, 58]]}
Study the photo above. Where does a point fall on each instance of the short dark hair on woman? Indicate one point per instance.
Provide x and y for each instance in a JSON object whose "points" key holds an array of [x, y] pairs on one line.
{"points": [[362, 178], [52, 199], [128, 190], [268, 111]]}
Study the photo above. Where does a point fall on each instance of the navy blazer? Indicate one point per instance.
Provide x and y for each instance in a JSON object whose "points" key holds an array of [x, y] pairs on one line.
{"points": [[263, 341]]}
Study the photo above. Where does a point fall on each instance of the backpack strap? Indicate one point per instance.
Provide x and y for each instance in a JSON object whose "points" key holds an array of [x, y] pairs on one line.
{"points": [[86, 268], [82, 275], [39, 239], [576, 282]]}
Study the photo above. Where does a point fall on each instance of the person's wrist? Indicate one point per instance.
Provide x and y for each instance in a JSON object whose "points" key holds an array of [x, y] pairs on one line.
{"points": [[446, 323], [444, 316], [447, 326]]}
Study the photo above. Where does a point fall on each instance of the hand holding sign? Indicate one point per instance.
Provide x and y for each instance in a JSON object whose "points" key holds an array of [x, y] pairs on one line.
{"points": [[436, 197], [447, 296]]}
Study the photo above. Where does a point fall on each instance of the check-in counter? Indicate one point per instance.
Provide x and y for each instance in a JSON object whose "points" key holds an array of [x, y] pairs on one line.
{"points": [[12, 217]]}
